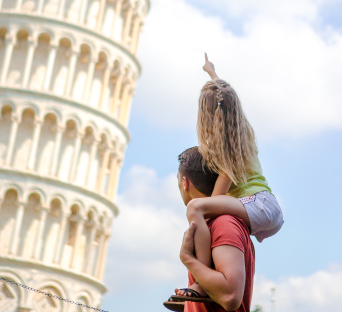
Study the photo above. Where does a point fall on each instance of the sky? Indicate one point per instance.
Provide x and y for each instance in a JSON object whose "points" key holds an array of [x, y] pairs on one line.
{"points": [[284, 59]]}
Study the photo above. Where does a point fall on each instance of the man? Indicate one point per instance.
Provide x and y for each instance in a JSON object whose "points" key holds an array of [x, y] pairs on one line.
{"points": [[230, 284]]}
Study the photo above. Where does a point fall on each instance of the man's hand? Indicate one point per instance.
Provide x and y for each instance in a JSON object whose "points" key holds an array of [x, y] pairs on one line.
{"points": [[188, 247], [209, 68]]}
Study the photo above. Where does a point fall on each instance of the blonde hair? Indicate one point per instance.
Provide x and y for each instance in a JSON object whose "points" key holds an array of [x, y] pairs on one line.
{"points": [[226, 139]]}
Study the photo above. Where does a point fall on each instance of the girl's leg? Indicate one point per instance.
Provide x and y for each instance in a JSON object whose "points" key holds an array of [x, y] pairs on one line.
{"points": [[200, 209]]}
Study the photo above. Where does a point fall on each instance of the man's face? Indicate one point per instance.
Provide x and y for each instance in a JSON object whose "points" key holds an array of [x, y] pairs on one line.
{"points": [[183, 185]]}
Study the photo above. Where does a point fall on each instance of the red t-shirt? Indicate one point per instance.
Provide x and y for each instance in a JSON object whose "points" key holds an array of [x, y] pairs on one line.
{"points": [[229, 230]]}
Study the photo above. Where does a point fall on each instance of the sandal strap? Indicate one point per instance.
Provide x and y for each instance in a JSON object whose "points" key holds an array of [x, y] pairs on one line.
{"points": [[192, 292]]}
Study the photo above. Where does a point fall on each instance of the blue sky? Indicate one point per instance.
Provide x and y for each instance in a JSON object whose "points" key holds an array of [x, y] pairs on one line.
{"points": [[285, 60]]}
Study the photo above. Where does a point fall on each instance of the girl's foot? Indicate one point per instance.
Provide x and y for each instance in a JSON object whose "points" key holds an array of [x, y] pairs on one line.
{"points": [[196, 287]]}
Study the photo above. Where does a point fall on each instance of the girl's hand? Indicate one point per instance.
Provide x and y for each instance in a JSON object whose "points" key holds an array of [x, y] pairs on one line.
{"points": [[209, 68]]}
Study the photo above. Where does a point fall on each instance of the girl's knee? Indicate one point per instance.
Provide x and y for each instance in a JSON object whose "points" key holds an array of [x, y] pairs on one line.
{"points": [[194, 209]]}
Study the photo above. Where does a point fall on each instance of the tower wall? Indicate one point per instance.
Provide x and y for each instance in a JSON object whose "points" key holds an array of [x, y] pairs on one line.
{"points": [[67, 77]]}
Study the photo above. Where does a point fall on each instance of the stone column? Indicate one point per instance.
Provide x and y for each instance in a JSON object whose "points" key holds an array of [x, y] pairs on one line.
{"points": [[16, 230], [79, 229], [102, 175], [10, 42], [28, 65], [135, 34], [118, 7], [49, 67], [60, 241], [90, 77], [12, 137], [38, 243], [90, 249], [124, 102], [116, 95], [71, 73], [127, 110], [34, 144], [82, 11], [93, 152], [106, 77], [112, 177], [61, 8], [18, 5], [127, 26], [40, 6], [100, 16], [56, 150], [115, 182], [73, 172], [103, 257], [99, 255]]}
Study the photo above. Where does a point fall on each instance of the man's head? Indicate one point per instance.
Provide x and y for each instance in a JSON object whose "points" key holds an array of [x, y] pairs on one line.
{"points": [[194, 177]]}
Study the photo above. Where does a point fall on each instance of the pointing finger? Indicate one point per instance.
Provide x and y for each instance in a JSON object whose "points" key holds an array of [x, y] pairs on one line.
{"points": [[206, 57]]}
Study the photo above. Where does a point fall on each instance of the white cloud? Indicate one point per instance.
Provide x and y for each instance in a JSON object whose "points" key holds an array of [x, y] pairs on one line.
{"points": [[146, 237], [286, 72], [321, 291]]}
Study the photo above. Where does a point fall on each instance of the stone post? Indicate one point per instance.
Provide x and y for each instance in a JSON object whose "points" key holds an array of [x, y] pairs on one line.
{"points": [[34, 144], [12, 138], [49, 67], [28, 65]]}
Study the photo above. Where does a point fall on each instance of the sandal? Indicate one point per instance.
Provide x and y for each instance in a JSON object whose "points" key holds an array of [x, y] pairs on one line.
{"points": [[174, 306], [191, 295]]}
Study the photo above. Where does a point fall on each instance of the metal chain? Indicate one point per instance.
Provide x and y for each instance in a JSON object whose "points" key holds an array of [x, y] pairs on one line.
{"points": [[50, 295]]}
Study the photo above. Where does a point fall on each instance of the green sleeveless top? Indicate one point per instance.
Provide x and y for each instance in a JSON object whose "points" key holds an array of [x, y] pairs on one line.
{"points": [[256, 182]]}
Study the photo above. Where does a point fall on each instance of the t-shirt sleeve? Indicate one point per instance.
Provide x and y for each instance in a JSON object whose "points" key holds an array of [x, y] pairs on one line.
{"points": [[228, 230]]}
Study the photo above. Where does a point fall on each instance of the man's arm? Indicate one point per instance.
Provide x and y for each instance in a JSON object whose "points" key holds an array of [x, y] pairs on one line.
{"points": [[226, 284]]}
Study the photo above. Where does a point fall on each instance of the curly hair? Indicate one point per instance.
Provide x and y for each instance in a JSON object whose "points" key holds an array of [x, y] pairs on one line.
{"points": [[226, 139]]}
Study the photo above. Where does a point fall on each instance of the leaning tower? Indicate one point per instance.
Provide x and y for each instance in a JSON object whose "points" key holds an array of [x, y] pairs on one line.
{"points": [[67, 77]]}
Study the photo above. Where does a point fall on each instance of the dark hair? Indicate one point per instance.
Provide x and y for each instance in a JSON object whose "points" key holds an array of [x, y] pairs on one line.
{"points": [[193, 166]]}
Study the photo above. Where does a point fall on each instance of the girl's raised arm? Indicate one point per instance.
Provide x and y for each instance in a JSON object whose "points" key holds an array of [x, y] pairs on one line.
{"points": [[209, 68]]}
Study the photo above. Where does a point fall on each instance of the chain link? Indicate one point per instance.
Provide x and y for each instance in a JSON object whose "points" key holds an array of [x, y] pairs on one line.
{"points": [[49, 294]]}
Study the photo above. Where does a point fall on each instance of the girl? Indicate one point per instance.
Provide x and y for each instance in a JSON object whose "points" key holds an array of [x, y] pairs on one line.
{"points": [[227, 143]]}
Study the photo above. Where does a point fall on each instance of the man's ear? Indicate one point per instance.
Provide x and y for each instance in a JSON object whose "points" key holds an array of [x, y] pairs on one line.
{"points": [[186, 184]]}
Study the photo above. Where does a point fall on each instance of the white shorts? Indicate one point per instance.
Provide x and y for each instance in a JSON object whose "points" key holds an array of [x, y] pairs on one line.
{"points": [[264, 214]]}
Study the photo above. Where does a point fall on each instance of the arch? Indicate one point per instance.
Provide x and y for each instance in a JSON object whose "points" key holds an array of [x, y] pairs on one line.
{"points": [[61, 198], [93, 126], [71, 117], [45, 34], [105, 135], [34, 190], [105, 51], [12, 275], [85, 43], [49, 110], [27, 106], [80, 205], [12, 186], [3, 32], [85, 294], [4, 103], [68, 36], [50, 286], [94, 212]]}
